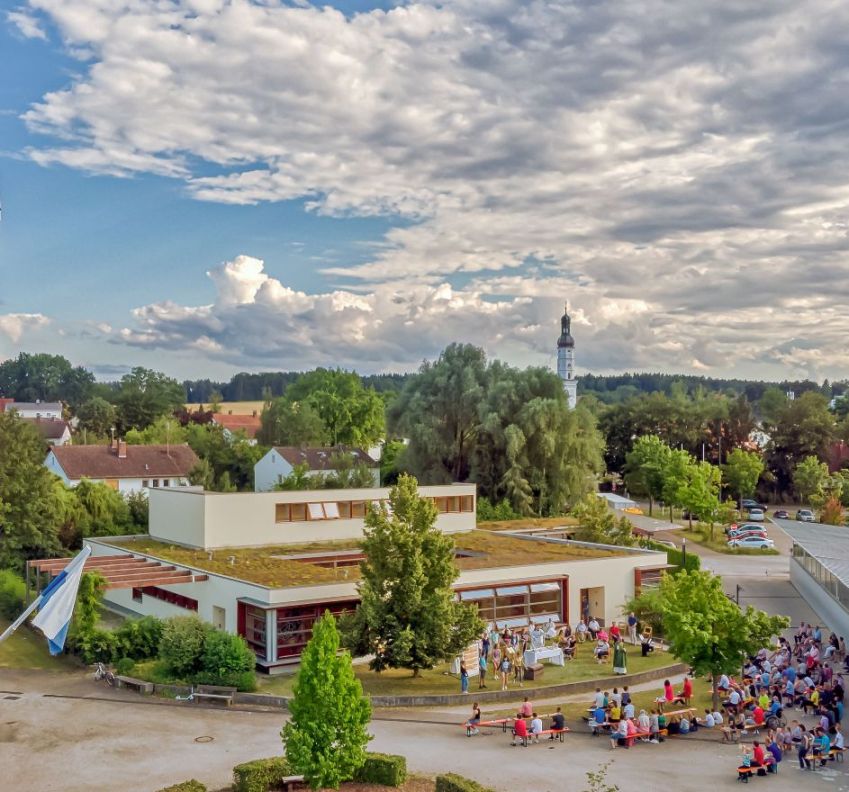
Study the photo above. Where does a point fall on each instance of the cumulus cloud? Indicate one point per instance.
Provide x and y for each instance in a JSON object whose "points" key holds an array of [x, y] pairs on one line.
{"points": [[676, 169], [26, 24], [14, 325]]}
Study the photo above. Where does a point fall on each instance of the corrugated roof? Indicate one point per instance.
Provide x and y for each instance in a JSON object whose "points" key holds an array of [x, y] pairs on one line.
{"points": [[142, 461], [829, 544], [321, 458]]}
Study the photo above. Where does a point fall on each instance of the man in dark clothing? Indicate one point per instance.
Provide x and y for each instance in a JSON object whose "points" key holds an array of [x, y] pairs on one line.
{"points": [[557, 721]]}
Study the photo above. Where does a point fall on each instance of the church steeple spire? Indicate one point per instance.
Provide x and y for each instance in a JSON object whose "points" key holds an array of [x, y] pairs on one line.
{"points": [[566, 358]]}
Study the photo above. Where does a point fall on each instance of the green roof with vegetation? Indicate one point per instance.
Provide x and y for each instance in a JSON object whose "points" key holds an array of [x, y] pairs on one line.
{"points": [[265, 566]]}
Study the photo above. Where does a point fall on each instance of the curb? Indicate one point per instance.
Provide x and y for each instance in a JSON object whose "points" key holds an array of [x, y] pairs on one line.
{"points": [[456, 699]]}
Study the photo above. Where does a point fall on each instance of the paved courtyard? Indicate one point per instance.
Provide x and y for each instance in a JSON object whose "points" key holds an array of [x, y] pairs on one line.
{"points": [[53, 741]]}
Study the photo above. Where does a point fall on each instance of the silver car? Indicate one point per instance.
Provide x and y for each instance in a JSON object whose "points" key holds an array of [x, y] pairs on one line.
{"points": [[805, 515], [760, 542], [755, 515]]}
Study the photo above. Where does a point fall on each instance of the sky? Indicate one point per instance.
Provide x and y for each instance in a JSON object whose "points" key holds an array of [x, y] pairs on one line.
{"points": [[205, 187]]}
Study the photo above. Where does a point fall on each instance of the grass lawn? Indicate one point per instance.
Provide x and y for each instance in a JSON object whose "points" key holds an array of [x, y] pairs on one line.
{"points": [[719, 543], [400, 682], [28, 649]]}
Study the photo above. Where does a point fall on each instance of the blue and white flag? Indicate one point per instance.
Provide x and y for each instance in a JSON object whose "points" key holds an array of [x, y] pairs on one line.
{"points": [[56, 603]]}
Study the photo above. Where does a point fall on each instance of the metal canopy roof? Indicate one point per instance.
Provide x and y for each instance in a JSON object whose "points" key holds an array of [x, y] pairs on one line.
{"points": [[829, 544], [123, 571]]}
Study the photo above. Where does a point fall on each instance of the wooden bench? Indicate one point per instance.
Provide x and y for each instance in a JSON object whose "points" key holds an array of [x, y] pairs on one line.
{"points": [[139, 685], [745, 773], [836, 753], [470, 728], [729, 736], [554, 734]]}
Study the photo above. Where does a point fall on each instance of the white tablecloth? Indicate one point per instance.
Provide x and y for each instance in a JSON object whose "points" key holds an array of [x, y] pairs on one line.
{"points": [[552, 653]]}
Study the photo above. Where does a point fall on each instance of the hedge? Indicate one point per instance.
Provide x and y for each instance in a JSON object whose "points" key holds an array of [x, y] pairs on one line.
{"points": [[260, 775], [186, 786], [385, 769], [451, 782]]}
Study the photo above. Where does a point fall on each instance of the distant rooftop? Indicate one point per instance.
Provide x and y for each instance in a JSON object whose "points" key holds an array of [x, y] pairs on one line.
{"points": [[141, 461], [322, 458], [33, 406], [282, 566], [829, 544]]}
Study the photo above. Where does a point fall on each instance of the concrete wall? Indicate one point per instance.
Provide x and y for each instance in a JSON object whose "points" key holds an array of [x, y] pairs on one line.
{"points": [[832, 613], [246, 519]]}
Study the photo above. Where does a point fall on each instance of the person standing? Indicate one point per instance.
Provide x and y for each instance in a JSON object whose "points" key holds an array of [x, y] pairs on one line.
{"points": [[464, 678], [620, 658], [482, 672], [632, 628]]}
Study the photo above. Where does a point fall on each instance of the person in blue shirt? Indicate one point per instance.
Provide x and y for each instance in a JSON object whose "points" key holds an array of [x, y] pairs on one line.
{"points": [[599, 717], [823, 746], [789, 673]]}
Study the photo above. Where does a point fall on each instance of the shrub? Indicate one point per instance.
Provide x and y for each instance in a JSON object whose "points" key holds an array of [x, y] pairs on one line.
{"points": [[139, 638], [186, 786], [181, 644], [260, 775], [96, 646], [125, 666], [385, 769], [451, 782], [12, 593], [226, 660]]}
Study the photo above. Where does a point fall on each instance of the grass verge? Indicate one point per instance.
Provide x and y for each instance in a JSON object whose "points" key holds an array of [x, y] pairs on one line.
{"points": [[26, 648], [438, 682]]}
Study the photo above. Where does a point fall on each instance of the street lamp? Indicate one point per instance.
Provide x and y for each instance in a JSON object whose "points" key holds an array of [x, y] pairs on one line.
{"points": [[737, 597], [684, 554]]}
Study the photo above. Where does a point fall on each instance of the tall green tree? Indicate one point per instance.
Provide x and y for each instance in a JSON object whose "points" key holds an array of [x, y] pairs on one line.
{"points": [[234, 457], [327, 734], [707, 630], [165, 430], [29, 511], [809, 476], [42, 377], [407, 616], [598, 523], [352, 414], [644, 467], [438, 411], [700, 493], [145, 395], [291, 423], [742, 471], [107, 511], [97, 416]]}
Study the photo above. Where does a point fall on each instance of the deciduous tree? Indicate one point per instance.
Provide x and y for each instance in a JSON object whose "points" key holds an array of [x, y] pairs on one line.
{"points": [[145, 395], [742, 471], [808, 478], [645, 465], [289, 423], [327, 734], [706, 629]]}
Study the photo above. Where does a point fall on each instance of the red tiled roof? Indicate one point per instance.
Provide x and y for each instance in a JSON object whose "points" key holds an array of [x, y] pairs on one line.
{"points": [[321, 458], [142, 461], [249, 424]]}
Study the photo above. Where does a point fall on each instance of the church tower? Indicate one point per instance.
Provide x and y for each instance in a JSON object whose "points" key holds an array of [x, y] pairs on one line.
{"points": [[566, 359]]}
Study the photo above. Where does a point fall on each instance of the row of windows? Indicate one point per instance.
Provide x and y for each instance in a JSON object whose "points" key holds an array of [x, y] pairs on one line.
{"points": [[164, 482], [346, 510]]}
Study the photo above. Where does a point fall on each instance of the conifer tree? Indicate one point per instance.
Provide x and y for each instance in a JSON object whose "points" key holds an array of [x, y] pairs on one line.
{"points": [[327, 735], [407, 616]]}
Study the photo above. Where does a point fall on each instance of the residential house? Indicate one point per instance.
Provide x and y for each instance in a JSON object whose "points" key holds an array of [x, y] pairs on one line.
{"points": [[249, 425], [280, 461], [126, 468], [54, 432], [37, 409]]}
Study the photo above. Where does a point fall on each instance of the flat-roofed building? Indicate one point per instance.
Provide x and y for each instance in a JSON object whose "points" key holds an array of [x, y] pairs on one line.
{"points": [[267, 565]]}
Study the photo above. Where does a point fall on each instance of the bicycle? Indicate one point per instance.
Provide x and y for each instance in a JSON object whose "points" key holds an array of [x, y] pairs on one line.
{"points": [[102, 672]]}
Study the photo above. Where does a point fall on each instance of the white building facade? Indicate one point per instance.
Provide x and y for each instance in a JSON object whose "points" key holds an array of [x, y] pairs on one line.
{"points": [[280, 462]]}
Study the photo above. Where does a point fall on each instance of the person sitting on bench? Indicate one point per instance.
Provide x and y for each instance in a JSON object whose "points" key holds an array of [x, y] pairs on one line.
{"points": [[520, 732], [646, 645], [602, 651], [558, 722]]}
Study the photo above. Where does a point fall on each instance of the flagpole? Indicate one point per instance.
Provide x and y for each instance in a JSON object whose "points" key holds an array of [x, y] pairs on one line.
{"points": [[21, 619]]}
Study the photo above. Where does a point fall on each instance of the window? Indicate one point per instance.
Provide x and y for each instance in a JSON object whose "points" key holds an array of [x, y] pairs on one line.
{"points": [[298, 512], [137, 595], [156, 482], [331, 511], [358, 509], [467, 503], [441, 504], [344, 508], [170, 596], [281, 512], [316, 511], [166, 482], [255, 630], [145, 483]]}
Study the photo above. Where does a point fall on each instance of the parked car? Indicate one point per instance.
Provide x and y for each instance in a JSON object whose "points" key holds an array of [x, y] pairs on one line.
{"points": [[748, 503], [781, 514], [760, 542], [805, 515], [744, 534], [756, 514]]}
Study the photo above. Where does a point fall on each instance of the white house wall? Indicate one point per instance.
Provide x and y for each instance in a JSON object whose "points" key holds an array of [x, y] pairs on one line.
{"points": [[273, 468], [248, 519]]}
